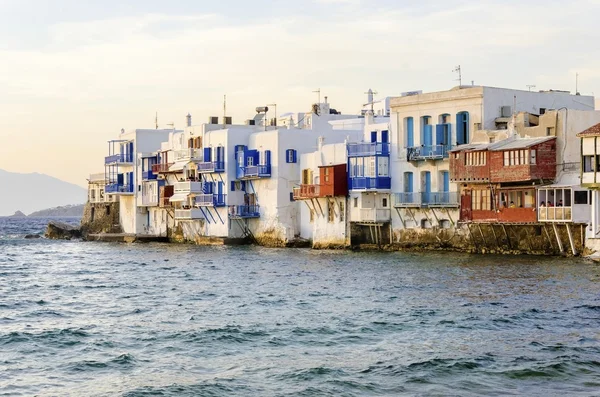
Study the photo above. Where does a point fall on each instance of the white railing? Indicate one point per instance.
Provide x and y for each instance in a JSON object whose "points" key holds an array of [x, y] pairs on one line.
{"points": [[187, 154], [99, 177], [108, 198], [188, 214], [150, 200], [374, 215], [187, 187], [204, 200]]}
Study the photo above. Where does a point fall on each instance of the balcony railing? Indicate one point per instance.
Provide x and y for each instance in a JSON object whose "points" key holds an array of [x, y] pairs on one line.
{"points": [[118, 188], [368, 149], [210, 200], [150, 200], [374, 215], [364, 183], [244, 211], [305, 192], [193, 213], [555, 214], [162, 167], [188, 187], [119, 158], [256, 171], [98, 178], [211, 166], [187, 154], [423, 199], [434, 152], [410, 199], [148, 175]]}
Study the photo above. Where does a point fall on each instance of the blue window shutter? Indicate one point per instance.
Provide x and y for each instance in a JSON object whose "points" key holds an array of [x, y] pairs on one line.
{"points": [[232, 188], [267, 157], [449, 134], [287, 155], [373, 136], [207, 154], [439, 134], [295, 156], [446, 181], [410, 133], [243, 186], [427, 135]]}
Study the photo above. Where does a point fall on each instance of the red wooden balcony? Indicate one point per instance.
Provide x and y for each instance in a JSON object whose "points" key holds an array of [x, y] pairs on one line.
{"points": [[306, 192], [163, 167]]}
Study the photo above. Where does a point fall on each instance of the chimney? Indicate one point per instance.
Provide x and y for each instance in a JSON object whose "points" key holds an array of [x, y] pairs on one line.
{"points": [[188, 120], [320, 142]]}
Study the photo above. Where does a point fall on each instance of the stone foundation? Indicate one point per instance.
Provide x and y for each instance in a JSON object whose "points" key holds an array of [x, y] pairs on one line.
{"points": [[100, 218]]}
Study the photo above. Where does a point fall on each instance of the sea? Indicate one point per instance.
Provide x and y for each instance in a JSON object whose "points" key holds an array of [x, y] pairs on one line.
{"points": [[102, 319]]}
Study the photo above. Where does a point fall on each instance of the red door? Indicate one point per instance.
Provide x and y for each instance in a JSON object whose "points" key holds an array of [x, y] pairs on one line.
{"points": [[465, 206]]}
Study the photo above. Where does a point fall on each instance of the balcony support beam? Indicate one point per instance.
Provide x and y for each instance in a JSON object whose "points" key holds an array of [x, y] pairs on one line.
{"points": [[412, 215], [400, 216], [560, 245], [571, 241], [449, 217], [495, 236]]}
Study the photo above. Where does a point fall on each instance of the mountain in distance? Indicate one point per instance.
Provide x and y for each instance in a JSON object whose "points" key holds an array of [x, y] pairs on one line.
{"points": [[33, 192], [66, 210]]}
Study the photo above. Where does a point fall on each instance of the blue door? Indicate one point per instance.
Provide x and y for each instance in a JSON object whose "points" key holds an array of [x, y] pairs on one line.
{"points": [[384, 136], [427, 135], [410, 133], [373, 136], [408, 188], [207, 154], [440, 134], [462, 128], [426, 186], [446, 181], [130, 183]]}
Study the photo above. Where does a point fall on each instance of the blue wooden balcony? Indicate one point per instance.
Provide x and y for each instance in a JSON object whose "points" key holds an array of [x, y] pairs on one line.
{"points": [[210, 200], [119, 158], [244, 211], [254, 172], [211, 166], [148, 176], [367, 183], [118, 188], [433, 152], [367, 149]]}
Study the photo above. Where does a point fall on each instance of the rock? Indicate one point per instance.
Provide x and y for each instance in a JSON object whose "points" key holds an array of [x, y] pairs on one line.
{"points": [[62, 231], [31, 236]]}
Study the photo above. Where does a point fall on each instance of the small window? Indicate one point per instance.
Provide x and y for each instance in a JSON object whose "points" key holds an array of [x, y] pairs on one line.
{"points": [[342, 211], [292, 196], [290, 156], [588, 163], [384, 202], [330, 211], [581, 197], [533, 157], [355, 202]]}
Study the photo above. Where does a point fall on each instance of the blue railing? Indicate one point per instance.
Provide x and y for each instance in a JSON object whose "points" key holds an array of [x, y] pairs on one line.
{"points": [[148, 175], [118, 188], [368, 149], [244, 211], [211, 166], [363, 183], [440, 199], [220, 200], [424, 199], [408, 199], [257, 171], [119, 158], [433, 152]]}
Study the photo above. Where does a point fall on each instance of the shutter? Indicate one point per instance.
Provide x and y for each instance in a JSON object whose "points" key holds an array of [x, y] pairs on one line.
{"points": [[410, 133], [439, 134], [207, 154], [232, 188], [267, 157], [295, 154], [373, 136], [385, 136]]}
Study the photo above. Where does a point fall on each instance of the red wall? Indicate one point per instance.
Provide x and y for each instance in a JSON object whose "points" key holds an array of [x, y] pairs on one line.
{"points": [[459, 172], [545, 167]]}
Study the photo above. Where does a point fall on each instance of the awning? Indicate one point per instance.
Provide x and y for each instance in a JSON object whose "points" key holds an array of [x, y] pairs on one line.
{"points": [[178, 165], [178, 198]]}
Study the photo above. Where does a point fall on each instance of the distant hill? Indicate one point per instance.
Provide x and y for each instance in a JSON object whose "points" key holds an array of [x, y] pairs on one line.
{"points": [[34, 192], [67, 210]]}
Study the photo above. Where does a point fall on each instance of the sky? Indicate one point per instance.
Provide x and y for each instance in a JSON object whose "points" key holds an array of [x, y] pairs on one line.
{"points": [[73, 73]]}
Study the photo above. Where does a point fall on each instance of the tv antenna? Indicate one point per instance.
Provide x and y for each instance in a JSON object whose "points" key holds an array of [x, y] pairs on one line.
{"points": [[156, 121], [458, 70], [318, 92], [224, 111], [577, 83], [530, 86]]}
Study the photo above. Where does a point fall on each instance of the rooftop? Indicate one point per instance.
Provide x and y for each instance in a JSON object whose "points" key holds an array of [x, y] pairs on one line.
{"points": [[592, 131], [506, 144]]}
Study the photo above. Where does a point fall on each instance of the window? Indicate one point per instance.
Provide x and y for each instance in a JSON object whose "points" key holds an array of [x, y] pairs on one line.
{"points": [[549, 131], [480, 200], [355, 202], [581, 197], [382, 166], [476, 158], [326, 171], [292, 196], [342, 211], [290, 156], [330, 211], [370, 171], [384, 202], [250, 160], [588, 164], [533, 157]]}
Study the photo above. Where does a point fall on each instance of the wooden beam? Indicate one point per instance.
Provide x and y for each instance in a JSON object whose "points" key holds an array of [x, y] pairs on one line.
{"points": [[400, 216], [449, 217], [482, 236], [495, 236], [548, 237], [560, 246], [573, 249], [507, 237], [472, 237]]}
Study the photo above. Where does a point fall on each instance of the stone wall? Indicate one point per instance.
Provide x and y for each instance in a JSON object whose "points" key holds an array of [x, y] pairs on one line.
{"points": [[100, 218]]}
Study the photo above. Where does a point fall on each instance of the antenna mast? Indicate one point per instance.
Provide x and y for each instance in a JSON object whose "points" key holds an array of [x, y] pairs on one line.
{"points": [[156, 120], [530, 86], [318, 91], [576, 83], [224, 111], [458, 70]]}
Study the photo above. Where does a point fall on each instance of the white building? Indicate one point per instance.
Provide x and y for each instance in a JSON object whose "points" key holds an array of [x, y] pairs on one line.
{"points": [[425, 126]]}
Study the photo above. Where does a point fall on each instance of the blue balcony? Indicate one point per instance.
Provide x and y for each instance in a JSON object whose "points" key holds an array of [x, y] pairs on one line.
{"points": [[210, 200], [119, 158], [368, 149], [118, 188], [148, 176], [211, 166], [426, 200], [254, 172], [366, 183], [434, 152], [244, 211]]}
